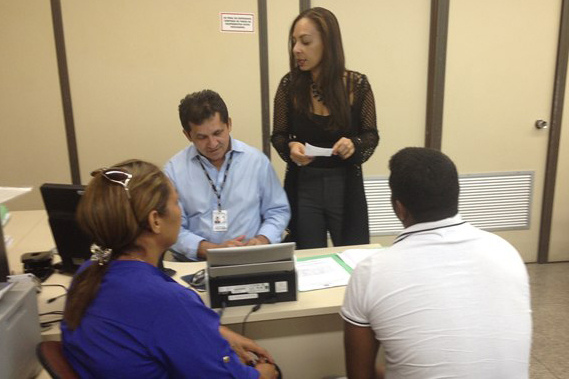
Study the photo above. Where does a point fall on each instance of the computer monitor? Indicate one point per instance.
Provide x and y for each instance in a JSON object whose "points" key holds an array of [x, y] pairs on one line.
{"points": [[4, 266], [73, 245]]}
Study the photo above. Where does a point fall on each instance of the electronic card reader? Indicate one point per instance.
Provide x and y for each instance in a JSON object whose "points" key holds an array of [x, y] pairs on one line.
{"points": [[251, 275]]}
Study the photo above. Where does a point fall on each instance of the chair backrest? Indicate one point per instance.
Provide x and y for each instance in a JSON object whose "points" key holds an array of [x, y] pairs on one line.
{"points": [[50, 354]]}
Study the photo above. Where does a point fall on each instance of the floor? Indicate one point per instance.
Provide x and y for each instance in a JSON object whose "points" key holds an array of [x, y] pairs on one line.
{"points": [[550, 304]]}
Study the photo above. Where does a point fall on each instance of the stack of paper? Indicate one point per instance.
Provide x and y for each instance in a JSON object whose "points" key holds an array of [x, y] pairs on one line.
{"points": [[354, 256], [319, 273], [9, 193], [330, 270]]}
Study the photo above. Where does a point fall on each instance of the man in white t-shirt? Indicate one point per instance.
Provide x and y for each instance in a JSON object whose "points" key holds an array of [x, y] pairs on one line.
{"points": [[447, 300]]}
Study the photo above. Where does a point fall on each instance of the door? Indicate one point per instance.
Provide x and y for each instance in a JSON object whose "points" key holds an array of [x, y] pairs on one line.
{"points": [[499, 81]]}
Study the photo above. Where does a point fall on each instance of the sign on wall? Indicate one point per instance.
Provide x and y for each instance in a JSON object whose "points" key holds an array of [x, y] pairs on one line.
{"points": [[237, 22]]}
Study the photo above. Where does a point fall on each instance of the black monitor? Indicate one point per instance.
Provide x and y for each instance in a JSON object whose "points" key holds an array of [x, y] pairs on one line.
{"points": [[73, 246], [4, 266]]}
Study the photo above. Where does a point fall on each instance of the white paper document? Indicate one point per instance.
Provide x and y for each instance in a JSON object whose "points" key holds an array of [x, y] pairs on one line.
{"points": [[319, 273], [315, 151], [9, 193], [354, 256]]}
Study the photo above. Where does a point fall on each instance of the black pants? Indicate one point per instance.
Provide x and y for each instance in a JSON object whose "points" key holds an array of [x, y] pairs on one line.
{"points": [[320, 206]]}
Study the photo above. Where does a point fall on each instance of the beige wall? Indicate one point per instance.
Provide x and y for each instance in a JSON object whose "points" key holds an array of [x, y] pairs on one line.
{"points": [[130, 62], [280, 14], [32, 135]]}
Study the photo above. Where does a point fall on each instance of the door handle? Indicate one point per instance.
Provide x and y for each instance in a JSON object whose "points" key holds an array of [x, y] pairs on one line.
{"points": [[541, 124]]}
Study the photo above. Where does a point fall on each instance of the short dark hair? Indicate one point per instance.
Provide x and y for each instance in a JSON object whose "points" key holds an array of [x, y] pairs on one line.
{"points": [[200, 106], [425, 181]]}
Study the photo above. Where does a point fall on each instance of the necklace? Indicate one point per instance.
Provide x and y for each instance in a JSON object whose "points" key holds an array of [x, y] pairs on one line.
{"points": [[317, 92]]}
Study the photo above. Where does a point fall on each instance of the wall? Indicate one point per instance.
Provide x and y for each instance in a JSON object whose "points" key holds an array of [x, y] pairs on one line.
{"points": [[130, 62], [32, 134]]}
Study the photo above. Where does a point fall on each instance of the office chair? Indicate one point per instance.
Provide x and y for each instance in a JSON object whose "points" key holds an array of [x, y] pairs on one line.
{"points": [[50, 354]]}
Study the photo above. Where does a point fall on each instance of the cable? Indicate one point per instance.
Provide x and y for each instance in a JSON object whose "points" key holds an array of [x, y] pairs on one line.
{"points": [[48, 323], [55, 298], [222, 309], [51, 313], [255, 308], [55, 285], [51, 300], [45, 324]]}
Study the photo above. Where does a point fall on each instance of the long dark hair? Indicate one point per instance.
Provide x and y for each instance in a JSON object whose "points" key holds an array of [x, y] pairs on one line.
{"points": [[332, 69], [114, 221]]}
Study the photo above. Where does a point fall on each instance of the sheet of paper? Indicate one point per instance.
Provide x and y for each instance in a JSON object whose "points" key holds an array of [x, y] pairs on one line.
{"points": [[319, 273], [354, 256], [8, 193], [8, 240], [315, 151]]}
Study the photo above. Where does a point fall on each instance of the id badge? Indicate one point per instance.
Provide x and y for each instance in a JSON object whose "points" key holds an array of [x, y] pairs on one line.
{"points": [[219, 221]]}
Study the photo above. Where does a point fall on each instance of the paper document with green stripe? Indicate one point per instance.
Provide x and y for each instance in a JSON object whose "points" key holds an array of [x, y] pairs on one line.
{"points": [[330, 270]]}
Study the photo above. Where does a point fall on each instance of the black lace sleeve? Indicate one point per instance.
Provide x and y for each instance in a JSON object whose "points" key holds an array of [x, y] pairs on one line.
{"points": [[281, 135], [367, 136]]}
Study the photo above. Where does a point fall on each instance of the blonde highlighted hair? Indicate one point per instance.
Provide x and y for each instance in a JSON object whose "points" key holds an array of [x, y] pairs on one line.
{"points": [[114, 216]]}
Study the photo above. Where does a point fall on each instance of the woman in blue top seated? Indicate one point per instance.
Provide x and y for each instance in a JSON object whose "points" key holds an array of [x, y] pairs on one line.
{"points": [[124, 318]]}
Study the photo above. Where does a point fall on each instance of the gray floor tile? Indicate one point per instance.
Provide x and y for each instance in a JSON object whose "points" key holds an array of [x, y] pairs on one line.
{"points": [[539, 371], [550, 304]]}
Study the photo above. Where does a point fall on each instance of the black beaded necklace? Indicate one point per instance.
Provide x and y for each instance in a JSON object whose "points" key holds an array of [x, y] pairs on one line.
{"points": [[316, 92]]}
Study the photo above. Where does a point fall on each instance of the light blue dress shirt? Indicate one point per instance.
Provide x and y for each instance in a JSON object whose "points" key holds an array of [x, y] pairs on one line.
{"points": [[252, 196]]}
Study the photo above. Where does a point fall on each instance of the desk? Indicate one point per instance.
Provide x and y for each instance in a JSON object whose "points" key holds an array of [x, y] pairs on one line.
{"points": [[304, 336]]}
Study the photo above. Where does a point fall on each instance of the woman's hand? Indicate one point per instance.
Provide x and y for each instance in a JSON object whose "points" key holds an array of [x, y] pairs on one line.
{"points": [[344, 148], [297, 154], [267, 371], [247, 350]]}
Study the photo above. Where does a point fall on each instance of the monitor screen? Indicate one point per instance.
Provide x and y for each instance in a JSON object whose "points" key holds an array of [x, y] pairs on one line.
{"points": [[61, 201], [239, 255]]}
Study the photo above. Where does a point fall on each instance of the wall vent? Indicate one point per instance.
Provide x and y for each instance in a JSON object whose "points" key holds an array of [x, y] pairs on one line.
{"points": [[495, 201]]}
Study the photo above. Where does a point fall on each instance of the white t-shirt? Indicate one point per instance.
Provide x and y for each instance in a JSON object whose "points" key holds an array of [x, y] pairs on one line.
{"points": [[447, 300]]}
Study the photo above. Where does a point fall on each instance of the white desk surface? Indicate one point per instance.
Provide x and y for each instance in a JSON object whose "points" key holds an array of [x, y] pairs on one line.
{"points": [[30, 232]]}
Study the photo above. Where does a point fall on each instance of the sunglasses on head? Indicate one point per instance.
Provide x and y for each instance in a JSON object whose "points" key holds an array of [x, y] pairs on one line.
{"points": [[117, 176]]}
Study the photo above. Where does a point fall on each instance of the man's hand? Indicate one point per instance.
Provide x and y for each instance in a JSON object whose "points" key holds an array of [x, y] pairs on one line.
{"points": [[258, 240], [204, 245], [247, 350], [297, 154]]}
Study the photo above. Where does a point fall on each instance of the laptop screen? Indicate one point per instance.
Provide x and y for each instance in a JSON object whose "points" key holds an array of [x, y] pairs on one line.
{"points": [[240, 255]]}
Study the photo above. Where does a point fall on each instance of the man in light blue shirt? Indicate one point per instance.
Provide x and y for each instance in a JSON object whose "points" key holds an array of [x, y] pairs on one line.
{"points": [[229, 192]]}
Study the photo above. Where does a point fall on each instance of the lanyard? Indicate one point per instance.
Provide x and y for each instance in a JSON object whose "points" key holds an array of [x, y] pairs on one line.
{"points": [[217, 194]]}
